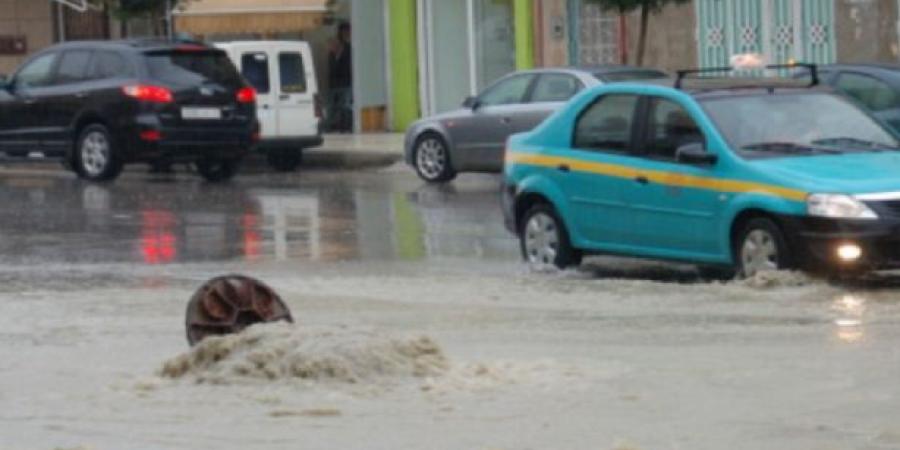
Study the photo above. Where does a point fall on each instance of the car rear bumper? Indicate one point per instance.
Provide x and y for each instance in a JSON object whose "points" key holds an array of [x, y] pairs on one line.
{"points": [[189, 144], [816, 242], [297, 143]]}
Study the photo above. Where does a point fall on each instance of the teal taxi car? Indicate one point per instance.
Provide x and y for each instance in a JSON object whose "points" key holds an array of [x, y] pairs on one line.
{"points": [[750, 174]]}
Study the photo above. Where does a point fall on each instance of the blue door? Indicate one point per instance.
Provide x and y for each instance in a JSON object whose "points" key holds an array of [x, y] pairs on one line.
{"points": [[671, 218], [589, 172]]}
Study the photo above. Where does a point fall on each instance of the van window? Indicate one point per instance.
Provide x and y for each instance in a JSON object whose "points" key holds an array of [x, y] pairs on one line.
{"points": [[293, 74], [106, 65], [255, 68], [193, 67], [73, 66]]}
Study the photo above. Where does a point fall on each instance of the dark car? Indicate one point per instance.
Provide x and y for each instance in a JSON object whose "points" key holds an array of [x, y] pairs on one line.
{"points": [[875, 86], [97, 106]]}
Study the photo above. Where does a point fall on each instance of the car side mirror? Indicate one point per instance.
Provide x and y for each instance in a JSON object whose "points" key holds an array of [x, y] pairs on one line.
{"points": [[471, 103], [695, 153], [5, 83]]}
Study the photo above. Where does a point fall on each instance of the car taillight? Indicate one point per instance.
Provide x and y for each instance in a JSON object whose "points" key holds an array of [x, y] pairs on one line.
{"points": [[246, 95], [147, 93], [151, 135]]}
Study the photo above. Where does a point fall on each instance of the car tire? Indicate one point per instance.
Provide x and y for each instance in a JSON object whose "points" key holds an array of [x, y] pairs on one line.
{"points": [[431, 159], [285, 160], [96, 156], [761, 246], [217, 170], [544, 240]]}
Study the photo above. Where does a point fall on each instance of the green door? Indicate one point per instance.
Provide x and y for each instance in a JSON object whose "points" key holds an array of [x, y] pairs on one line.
{"points": [[782, 30]]}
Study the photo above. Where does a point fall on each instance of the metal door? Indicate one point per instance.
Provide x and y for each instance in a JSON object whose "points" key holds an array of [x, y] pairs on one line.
{"points": [[782, 30], [256, 67], [296, 89]]}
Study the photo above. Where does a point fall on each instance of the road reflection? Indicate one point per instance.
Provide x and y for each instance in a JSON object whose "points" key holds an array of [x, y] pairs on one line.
{"points": [[850, 310], [65, 220]]}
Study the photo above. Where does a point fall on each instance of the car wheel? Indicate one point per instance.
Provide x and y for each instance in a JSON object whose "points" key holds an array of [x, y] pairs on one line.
{"points": [[432, 158], [96, 158], [761, 247], [285, 160], [544, 240], [217, 170]]}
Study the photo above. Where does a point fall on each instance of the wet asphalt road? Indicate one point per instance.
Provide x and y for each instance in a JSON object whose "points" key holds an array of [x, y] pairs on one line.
{"points": [[94, 279], [319, 215]]}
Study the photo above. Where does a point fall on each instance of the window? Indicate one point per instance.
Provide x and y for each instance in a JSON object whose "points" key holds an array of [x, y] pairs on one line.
{"points": [[191, 68], [606, 124], [73, 66], [669, 127], [106, 65], [555, 87], [293, 74], [255, 68], [507, 92], [872, 93], [37, 73]]}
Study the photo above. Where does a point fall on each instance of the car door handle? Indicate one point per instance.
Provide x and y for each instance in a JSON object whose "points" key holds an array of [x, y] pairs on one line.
{"points": [[642, 179], [563, 168], [81, 95], [285, 97], [29, 101], [506, 120]]}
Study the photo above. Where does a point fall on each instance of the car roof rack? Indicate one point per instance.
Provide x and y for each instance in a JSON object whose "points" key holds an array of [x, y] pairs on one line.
{"points": [[813, 72]]}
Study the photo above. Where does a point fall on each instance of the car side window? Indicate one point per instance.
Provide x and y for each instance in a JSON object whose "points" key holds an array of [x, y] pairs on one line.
{"points": [[37, 73], [293, 74], [606, 124], [255, 68], [73, 66], [107, 65], [872, 93], [507, 92], [555, 87], [669, 127]]}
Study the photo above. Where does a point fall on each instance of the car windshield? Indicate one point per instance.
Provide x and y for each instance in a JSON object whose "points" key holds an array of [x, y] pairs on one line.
{"points": [[795, 124]]}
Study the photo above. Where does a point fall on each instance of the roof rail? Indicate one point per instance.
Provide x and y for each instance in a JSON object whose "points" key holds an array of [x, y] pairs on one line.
{"points": [[813, 72]]}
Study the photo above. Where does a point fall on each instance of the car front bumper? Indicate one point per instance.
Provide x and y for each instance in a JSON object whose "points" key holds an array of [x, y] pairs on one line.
{"points": [[816, 242]]}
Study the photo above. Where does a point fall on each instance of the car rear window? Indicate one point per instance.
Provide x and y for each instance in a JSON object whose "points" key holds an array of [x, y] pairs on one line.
{"points": [[613, 77], [186, 68]]}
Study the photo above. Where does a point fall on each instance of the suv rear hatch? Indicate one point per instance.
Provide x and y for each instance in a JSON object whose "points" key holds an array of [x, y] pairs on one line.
{"points": [[204, 85]]}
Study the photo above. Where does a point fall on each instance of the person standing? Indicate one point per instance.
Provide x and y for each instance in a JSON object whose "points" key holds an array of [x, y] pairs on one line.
{"points": [[340, 77]]}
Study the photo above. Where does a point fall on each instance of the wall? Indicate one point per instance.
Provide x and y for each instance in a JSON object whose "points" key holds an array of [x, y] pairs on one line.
{"points": [[369, 43], [671, 38], [30, 18], [866, 31]]}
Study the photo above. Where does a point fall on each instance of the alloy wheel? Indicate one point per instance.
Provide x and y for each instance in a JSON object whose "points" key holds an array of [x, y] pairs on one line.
{"points": [[759, 253], [95, 154], [542, 238], [431, 158]]}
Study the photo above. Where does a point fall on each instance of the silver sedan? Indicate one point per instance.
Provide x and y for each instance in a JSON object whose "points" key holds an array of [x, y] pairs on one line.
{"points": [[471, 139]]}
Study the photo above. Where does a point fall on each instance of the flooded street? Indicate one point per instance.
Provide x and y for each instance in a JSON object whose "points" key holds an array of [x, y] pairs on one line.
{"points": [[416, 327]]}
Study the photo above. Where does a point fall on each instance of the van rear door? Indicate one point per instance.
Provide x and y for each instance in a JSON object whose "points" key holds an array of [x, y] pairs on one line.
{"points": [[296, 91], [257, 66]]}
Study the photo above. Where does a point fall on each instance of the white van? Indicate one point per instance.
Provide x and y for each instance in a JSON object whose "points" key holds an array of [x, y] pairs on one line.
{"points": [[287, 96]]}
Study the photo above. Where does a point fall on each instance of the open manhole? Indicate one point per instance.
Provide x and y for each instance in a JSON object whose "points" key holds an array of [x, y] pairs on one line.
{"points": [[231, 303]]}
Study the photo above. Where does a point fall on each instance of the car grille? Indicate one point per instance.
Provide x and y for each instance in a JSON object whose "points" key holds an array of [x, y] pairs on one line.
{"points": [[885, 208]]}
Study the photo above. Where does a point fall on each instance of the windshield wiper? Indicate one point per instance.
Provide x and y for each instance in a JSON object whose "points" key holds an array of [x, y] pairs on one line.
{"points": [[789, 147], [854, 142]]}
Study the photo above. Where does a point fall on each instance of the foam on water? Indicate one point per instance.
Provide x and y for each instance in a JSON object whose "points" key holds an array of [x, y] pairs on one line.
{"points": [[283, 351]]}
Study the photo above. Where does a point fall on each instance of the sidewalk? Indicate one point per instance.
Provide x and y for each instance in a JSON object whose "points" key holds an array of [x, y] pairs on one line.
{"points": [[356, 150]]}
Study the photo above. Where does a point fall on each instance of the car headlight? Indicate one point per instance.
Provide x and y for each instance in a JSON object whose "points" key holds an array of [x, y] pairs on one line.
{"points": [[838, 206]]}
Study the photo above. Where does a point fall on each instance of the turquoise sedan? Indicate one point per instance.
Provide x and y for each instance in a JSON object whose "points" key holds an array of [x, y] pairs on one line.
{"points": [[753, 175]]}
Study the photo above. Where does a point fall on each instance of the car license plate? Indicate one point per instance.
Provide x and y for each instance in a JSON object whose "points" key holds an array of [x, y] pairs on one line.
{"points": [[201, 113]]}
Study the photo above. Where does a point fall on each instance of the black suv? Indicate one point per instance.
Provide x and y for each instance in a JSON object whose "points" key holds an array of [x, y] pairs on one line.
{"points": [[100, 105]]}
